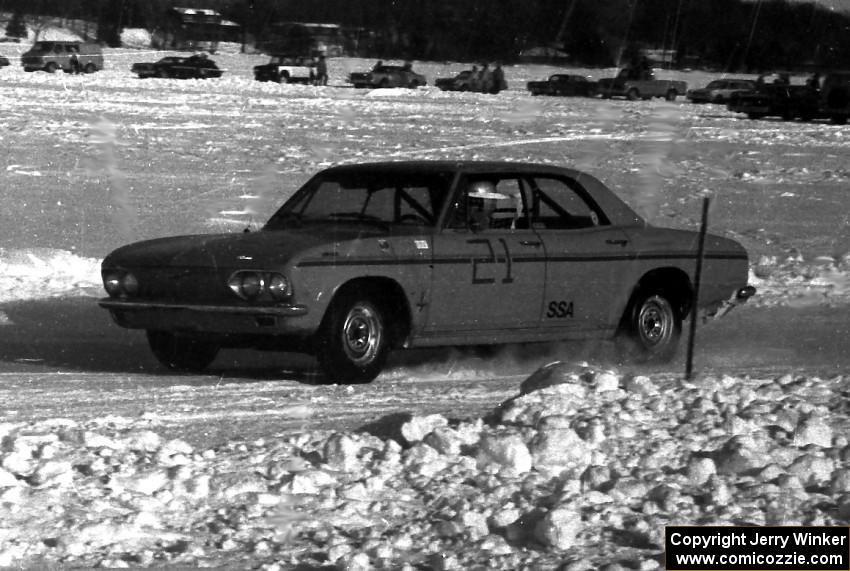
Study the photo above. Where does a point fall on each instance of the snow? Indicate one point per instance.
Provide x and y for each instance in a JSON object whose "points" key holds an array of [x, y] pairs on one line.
{"points": [[582, 470], [581, 466]]}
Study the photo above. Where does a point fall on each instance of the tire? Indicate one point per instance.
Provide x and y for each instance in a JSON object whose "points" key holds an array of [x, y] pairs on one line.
{"points": [[90, 68], [284, 77], [755, 116], [384, 83], [353, 340], [51, 67], [189, 353], [671, 95], [633, 94], [653, 328]]}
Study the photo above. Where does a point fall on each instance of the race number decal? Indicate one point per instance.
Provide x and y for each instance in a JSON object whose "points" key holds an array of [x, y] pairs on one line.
{"points": [[560, 310], [480, 273]]}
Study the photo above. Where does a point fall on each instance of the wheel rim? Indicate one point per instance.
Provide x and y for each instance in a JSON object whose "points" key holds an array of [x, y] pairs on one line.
{"points": [[655, 321], [361, 334]]}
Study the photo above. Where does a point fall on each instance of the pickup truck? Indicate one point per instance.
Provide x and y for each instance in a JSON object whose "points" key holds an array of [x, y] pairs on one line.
{"points": [[644, 87]]}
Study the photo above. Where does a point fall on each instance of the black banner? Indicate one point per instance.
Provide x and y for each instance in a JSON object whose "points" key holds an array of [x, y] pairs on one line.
{"points": [[757, 548]]}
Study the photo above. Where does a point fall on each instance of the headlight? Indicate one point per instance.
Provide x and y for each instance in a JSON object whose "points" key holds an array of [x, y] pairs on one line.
{"points": [[112, 284], [278, 286], [251, 285], [120, 283]]}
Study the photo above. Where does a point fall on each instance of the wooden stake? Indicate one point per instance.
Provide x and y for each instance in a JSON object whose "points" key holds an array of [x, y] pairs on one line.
{"points": [[689, 366]]}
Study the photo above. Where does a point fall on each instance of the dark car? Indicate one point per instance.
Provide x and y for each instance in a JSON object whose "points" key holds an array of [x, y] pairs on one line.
{"points": [[835, 97], [4, 61], [372, 257], [778, 99], [479, 81], [563, 84], [197, 66], [720, 90], [284, 68], [388, 76], [460, 82]]}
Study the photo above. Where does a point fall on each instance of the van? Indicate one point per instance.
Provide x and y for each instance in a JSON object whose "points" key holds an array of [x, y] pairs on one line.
{"points": [[51, 56]]}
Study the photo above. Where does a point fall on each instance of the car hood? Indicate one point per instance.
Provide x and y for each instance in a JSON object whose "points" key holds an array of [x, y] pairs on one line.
{"points": [[254, 249]]}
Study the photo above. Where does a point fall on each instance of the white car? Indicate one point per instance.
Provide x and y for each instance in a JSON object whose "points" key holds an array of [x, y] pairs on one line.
{"points": [[287, 69]]}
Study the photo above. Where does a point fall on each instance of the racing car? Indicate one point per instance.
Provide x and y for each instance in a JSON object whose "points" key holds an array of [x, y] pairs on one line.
{"points": [[367, 258]]}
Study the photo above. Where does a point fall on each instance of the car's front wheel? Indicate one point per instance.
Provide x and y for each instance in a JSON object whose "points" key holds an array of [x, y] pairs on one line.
{"points": [[182, 352], [353, 341], [653, 327]]}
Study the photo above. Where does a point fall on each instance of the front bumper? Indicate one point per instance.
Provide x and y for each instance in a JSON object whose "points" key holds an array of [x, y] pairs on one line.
{"points": [[222, 319]]}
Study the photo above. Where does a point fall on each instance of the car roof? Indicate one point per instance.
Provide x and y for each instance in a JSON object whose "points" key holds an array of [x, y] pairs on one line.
{"points": [[466, 166]]}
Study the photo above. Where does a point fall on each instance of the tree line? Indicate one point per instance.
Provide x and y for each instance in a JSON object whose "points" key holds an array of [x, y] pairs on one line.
{"points": [[730, 35]]}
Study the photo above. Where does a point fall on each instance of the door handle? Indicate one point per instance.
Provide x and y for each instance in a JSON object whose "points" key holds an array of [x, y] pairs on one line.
{"points": [[534, 243], [618, 242]]}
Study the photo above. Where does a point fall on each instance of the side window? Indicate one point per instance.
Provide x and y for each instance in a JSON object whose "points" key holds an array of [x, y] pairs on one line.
{"points": [[560, 204], [414, 205], [490, 204]]}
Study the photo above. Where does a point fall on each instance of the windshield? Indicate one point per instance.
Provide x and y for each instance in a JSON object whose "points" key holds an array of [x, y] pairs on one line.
{"points": [[367, 197]]}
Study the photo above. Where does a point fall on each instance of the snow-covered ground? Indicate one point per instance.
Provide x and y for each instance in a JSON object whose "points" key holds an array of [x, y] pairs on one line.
{"points": [[583, 474]]}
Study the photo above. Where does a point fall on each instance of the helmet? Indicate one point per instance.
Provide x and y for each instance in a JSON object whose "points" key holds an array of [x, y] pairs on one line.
{"points": [[484, 189]]}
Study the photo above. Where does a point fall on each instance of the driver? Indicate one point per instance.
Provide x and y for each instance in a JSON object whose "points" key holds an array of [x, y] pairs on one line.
{"points": [[482, 198]]}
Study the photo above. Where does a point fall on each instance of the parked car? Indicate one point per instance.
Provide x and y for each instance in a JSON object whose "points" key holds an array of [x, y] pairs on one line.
{"points": [[470, 80], [367, 258], [197, 66], [835, 97], [634, 86], [781, 98], [720, 90], [460, 82], [284, 68], [388, 76], [51, 56], [563, 84]]}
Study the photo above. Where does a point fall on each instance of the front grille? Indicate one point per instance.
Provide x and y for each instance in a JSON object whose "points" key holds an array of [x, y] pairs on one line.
{"points": [[190, 285]]}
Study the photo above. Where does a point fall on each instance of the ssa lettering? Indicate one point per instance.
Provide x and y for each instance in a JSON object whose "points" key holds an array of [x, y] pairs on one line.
{"points": [[560, 309]]}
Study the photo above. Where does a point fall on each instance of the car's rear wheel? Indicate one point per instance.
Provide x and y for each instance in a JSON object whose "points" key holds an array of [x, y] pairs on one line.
{"points": [[182, 352], [51, 67], [90, 68], [353, 340], [633, 94], [671, 95], [653, 328]]}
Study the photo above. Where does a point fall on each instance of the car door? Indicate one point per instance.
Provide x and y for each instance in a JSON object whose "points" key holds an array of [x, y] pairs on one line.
{"points": [[489, 264], [587, 258]]}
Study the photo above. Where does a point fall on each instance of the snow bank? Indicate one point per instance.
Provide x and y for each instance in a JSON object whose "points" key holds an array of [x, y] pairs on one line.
{"points": [[583, 467], [37, 273]]}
